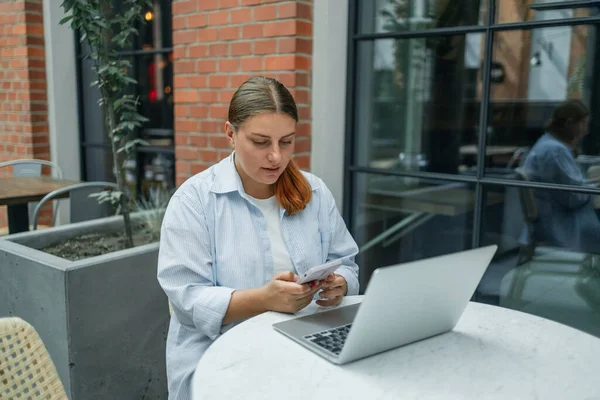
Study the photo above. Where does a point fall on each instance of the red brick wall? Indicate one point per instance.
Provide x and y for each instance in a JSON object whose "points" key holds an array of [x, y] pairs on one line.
{"points": [[218, 44], [577, 57], [23, 107]]}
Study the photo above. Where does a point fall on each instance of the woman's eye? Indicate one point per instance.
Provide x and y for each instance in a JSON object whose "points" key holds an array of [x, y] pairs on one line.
{"points": [[286, 143], [259, 143]]}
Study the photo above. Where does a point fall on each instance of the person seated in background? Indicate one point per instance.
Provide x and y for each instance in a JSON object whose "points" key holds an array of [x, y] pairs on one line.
{"points": [[565, 219]]}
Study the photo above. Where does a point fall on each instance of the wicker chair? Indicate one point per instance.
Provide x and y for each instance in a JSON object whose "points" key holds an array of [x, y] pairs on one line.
{"points": [[26, 370]]}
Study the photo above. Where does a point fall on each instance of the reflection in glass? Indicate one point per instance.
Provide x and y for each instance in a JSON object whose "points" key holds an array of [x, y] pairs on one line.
{"points": [[92, 115], [416, 102], [152, 68], [398, 219], [157, 173], [534, 276], [99, 164], [379, 16], [155, 26], [155, 89], [566, 219], [508, 11], [540, 69]]}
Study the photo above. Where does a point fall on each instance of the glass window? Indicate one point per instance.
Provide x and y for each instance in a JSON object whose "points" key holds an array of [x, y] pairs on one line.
{"points": [[98, 164], [534, 71], [547, 260], [400, 219], [540, 10], [92, 116], [416, 115], [156, 33], [155, 90], [157, 172], [379, 16], [416, 102], [151, 64]]}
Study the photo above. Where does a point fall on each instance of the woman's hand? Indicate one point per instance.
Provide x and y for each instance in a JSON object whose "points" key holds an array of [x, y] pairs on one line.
{"points": [[283, 294], [335, 288]]}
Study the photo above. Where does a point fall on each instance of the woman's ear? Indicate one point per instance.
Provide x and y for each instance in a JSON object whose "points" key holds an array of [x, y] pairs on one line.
{"points": [[230, 132]]}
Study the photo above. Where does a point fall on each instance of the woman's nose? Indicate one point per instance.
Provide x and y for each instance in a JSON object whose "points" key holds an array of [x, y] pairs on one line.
{"points": [[274, 155]]}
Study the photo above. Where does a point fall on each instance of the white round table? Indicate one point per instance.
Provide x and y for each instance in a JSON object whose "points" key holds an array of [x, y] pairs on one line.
{"points": [[493, 353]]}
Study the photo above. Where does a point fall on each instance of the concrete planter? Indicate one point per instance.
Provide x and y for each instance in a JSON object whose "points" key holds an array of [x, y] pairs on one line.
{"points": [[104, 319]]}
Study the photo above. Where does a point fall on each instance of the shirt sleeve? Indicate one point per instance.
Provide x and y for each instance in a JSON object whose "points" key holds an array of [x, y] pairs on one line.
{"points": [[565, 171], [342, 244], [185, 267]]}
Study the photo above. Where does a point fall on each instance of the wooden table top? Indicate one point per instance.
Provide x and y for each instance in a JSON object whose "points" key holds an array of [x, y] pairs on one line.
{"points": [[471, 149], [23, 189]]}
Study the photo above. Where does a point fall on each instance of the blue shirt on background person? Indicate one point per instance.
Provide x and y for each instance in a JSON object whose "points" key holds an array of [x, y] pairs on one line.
{"points": [[565, 219]]}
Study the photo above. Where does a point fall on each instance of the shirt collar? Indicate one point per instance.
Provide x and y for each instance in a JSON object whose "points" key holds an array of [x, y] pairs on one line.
{"points": [[227, 178], [551, 137]]}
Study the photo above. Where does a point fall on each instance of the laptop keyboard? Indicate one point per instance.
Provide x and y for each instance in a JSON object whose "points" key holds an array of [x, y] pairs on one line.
{"points": [[332, 339]]}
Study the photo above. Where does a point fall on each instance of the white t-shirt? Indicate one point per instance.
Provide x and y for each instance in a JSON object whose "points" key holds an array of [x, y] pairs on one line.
{"points": [[281, 256]]}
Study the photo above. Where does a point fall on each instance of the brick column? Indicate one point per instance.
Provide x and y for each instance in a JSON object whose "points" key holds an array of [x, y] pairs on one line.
{"points": [[218, 44], [23, 107]]}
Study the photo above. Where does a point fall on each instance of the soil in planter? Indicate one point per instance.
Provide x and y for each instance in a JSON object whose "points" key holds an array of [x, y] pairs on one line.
{"points": [[96, 244]]}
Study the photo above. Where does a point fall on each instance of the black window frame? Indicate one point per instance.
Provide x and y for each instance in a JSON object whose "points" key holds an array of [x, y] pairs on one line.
{"points": [[480, 180]]}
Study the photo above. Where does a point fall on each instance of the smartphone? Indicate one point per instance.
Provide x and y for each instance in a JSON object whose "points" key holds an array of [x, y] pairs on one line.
{"points": [[319, 272]]}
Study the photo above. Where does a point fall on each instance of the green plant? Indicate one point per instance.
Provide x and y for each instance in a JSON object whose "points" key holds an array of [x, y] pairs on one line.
{"points": [[107, 33], [152, 211]]}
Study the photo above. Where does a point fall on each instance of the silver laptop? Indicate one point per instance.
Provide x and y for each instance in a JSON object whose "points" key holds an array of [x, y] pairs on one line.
{"points": [[402, 304]]}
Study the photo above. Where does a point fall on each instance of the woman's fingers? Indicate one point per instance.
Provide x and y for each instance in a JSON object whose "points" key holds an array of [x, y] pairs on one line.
{"points": [[331, 293], [330, 302]]}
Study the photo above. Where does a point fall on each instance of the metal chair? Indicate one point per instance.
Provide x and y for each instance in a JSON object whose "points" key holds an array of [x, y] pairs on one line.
{"points": [[540, 266], [539, 250], [518, 157], [530, 212], [26, 369], [33, 167], [82, 206]]}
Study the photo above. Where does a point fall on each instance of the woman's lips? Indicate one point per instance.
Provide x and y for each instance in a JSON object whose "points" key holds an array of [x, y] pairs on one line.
{"points": [[271, 170]]}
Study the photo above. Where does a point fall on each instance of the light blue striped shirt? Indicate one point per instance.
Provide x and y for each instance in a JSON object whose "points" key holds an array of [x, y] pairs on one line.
{"points": [[214, 240]]}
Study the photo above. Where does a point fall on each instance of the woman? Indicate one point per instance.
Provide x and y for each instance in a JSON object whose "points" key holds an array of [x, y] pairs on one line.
{"points": [[235, 236], [565, 219]]}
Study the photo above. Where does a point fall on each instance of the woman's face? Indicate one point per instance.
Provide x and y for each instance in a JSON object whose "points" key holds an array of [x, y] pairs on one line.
{"points": [[264, 145]]}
